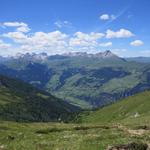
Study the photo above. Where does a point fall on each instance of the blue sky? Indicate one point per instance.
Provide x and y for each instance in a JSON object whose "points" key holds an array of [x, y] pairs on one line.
{"points": [[61, 26]]}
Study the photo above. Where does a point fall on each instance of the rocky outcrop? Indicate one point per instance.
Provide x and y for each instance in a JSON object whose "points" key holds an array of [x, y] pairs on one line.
{"points": [[130, 146]]}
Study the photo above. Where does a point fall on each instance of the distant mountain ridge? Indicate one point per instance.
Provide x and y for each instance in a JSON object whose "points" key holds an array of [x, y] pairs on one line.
{"points": [[85, 80], [30, 56], [105, 54], [44, 56], [139, 59]]}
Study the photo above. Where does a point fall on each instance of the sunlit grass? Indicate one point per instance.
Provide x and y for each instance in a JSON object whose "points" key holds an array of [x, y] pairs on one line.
{"points": [[59, 136]]}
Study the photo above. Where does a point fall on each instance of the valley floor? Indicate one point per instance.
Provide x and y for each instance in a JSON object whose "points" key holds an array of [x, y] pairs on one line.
{"points": [[60, 136]]}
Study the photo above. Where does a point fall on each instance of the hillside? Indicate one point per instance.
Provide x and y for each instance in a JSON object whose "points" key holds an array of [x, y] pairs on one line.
{"points": [[124, 123], [123, 126], [85, 80], [132, 110], [22, 102]]}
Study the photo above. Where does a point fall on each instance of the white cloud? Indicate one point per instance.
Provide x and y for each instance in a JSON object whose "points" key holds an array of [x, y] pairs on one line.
{"points": [[137, 43], [57, 42], [14, 24], [104, 17], [18, 37], [23, 29], [108, 44], [107, 17], [21, 26], [61, 24], [89, 37], [84, 39], [122, 33], [4, 45], [52, 41]]}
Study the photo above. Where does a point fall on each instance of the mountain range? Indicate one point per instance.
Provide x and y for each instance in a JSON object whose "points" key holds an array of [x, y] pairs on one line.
{"points": [[32, 118], [82, 79]]}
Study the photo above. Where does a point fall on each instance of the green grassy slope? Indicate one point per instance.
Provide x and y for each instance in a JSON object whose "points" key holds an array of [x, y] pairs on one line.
{"points": [[22, 102], [59, 136], [134, 109]]}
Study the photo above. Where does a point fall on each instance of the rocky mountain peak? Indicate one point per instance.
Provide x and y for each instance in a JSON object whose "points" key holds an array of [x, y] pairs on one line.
{"points": [[105, 54], [31, 56]]}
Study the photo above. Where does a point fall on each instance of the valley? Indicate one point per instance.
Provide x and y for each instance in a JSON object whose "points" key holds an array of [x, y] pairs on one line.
{"points": [[85, 80], [75, 116]]}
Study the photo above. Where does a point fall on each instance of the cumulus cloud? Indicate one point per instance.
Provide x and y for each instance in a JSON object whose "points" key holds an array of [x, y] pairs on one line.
{"points": [[57, 42], [84, 39], [16, 36], [104, 17], [108, 44], [52, 41], [21, 26], [137, 43], [23, 29], [122, 33], [107, 17], [4, 45]]}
